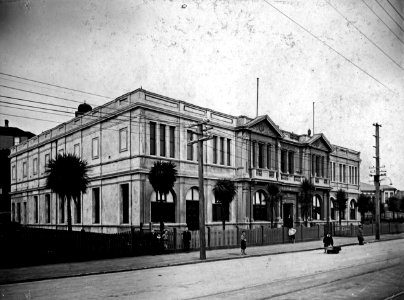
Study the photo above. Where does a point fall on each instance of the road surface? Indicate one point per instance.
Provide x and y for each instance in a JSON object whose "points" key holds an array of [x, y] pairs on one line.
{"points": [[372, 271]]}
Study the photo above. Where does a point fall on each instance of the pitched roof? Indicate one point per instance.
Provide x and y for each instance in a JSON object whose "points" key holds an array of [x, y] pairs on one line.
{"points": [[263, 118], [14, 131], [317, 136]]}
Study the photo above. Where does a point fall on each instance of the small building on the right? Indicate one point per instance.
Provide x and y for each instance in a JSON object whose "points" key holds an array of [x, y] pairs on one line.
{"points": [[344, 175]]}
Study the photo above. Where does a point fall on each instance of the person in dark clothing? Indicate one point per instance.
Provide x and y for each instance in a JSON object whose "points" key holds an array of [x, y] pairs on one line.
{"points": [[328, 241], [186, 238], [360, 235], [243, 243]]}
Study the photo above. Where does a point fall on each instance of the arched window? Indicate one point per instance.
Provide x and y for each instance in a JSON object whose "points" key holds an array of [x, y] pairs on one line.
{"points": [[332, 208], [162, 207], [260, 207], [192, 208], [316, 207], [352, 210]]}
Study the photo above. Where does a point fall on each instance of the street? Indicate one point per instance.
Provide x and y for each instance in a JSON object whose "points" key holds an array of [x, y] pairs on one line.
{"points": [[372, 271]]}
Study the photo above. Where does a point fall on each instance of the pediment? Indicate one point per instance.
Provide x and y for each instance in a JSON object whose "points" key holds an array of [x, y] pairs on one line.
{"points": [[264, 125], [321, 143]]}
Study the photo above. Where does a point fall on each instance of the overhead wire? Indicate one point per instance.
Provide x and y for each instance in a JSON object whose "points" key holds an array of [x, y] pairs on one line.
{"points": [[398, 25], [383, 22], [401, 16], [54, 85], [350, 22]]}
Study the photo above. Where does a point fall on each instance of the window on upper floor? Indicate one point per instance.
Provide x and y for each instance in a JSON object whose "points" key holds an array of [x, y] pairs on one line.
{"points": [[228, 152], [153, 141], [24, 169], [47, 159], [17, 140], [222, 150], [77, 150], [269, 157], [260, 156], [172, 141], [95, 148], [190, 147], [291, 162], [35, 166], [123, 139], [284, 160], [214, 149], [13, 172], [162, 140]]}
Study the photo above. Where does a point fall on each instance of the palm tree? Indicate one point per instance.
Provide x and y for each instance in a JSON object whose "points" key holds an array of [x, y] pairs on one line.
{"points": [[341, 202], [67, 177], [274, 195], [162, 177], [363, 205], [306, 201], [224, 191]]}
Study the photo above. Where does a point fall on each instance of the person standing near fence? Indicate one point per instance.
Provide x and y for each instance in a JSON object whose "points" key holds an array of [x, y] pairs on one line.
{"points": [[360, 235], [186, 239], [328, 241], [243, 243], [165, 239], [291, 230]]}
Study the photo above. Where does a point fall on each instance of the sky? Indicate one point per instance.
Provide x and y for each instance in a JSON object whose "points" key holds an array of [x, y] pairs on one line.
{"points": [[346, 56]]}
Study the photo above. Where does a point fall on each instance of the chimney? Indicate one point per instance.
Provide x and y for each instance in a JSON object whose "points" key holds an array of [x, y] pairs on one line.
{"points": [[6, 123], [309, 132]]}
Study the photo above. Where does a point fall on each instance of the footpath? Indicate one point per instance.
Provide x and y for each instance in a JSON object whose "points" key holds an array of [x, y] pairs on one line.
{"points": [[105, 266]]}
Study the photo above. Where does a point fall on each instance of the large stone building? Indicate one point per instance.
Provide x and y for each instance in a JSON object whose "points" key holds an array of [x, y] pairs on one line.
{"points": [[123, 138]]}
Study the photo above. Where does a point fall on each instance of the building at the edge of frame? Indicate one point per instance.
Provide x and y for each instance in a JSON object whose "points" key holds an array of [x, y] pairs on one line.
{"points": [[123, 138]]}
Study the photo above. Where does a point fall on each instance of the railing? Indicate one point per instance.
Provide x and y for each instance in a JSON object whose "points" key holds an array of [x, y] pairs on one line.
{"points": [[264, 174], [319, 181]]}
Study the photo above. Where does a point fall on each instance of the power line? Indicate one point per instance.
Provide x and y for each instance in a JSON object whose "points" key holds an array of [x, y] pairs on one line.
{"points": [[389, 15], [58, 86], [38, 111], [31, 106], [395, 9], [383, 22], [41, 94], [25, 117], [328, 2], [324, 43], [39, 102]]}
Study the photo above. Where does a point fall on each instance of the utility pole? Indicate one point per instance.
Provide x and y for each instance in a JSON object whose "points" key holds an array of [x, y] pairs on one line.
{"points": [[377, 182], [258, 83], [200, 140]]}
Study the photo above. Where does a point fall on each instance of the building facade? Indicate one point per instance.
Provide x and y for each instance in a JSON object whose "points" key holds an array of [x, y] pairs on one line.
{"points": [[123, 138], [9, 136]]}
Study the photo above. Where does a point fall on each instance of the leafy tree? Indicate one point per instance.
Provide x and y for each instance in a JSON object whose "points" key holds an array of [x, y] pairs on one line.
{"points": [[341, 203], [393, 204], [67, 177], [364, 205], [274, 195], [306, 202], [224, 191], [162, 177]]}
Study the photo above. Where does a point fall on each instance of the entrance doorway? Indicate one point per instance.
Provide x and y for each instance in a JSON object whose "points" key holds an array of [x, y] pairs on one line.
{"points": [[192, 215], [288, 210]]}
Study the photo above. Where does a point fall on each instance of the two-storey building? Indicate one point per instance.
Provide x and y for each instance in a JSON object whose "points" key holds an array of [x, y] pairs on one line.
{"points": [[123, 138]]}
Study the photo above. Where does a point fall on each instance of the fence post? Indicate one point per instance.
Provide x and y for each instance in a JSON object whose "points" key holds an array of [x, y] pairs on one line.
{"points": [[301, 231], [262, 235], [175, 239], [352, 230], [318, 231]]}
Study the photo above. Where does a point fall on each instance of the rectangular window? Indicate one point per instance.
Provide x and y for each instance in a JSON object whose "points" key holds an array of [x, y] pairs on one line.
{"points": [[13, 218], [162, 140], [214, 149], [291, 162], [300, 161], [152, 138], [340, 173], [172, 141], [313, 165], [77, 150], [47, 208], [125, 203], [260, 156], [77, 210], [254, 155], [123, 139], [36, 209], [228, 152], [17, 140], [269, 157], [35, 165], [284, 158], [47, 158], [95, 148], [344, 173], [322, 167], [317, 166], [13, 174], [96, 205], [24, 169], [190, 147], [222, 151]]}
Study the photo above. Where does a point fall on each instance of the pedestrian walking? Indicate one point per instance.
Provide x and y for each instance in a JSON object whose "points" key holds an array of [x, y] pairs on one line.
{"points": [[243, 243], [360, 235], [186, 239], [328, 241], [291, 231]]}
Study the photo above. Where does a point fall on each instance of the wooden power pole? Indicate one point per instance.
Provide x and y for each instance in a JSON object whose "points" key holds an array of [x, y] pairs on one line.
{"points": [[377, 182]]}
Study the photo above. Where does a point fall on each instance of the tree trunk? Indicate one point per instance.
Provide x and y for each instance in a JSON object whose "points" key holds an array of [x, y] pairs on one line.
{"points": [[223, 216], [69, 214]]}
